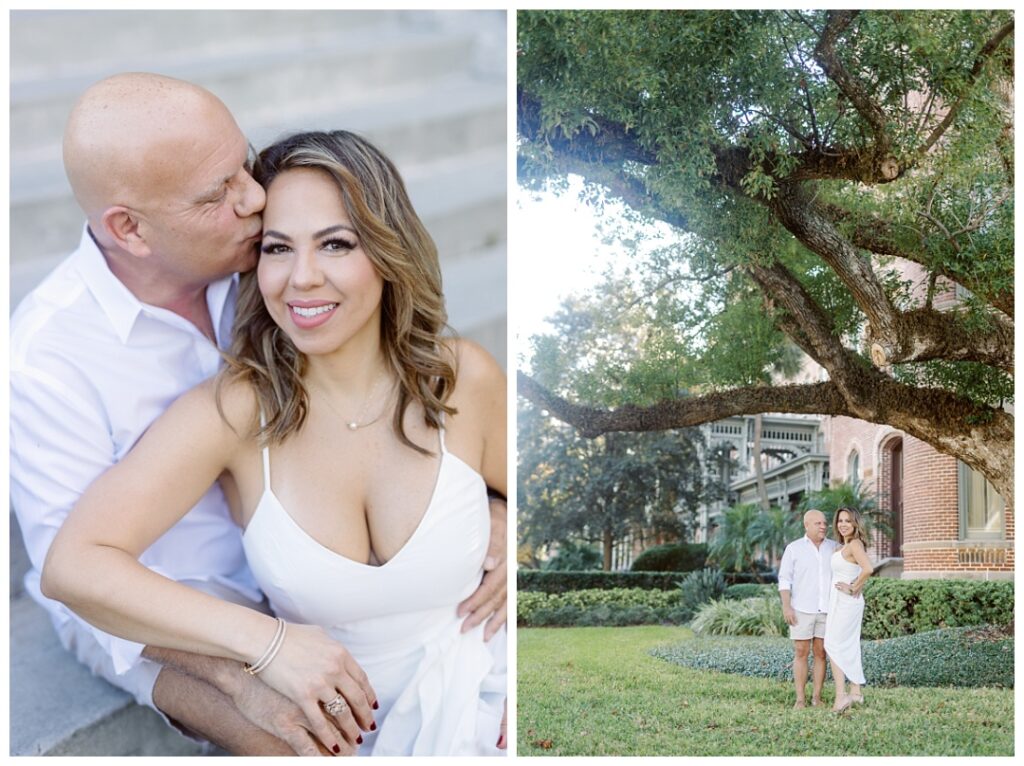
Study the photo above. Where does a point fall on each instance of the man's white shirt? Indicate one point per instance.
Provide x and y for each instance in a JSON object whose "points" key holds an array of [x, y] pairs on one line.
{"points": [[91, 368], [806, 572]]}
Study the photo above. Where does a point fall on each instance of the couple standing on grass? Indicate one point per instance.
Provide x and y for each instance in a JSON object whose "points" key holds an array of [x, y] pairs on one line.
{"points": [[820, 582]]}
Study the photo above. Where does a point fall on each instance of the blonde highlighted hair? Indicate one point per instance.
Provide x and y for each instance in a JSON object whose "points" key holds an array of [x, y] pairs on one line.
{"points": [[413, 315]]}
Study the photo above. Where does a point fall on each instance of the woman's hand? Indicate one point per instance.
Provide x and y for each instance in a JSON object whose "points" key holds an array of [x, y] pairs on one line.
{"points": [[313, 670]]}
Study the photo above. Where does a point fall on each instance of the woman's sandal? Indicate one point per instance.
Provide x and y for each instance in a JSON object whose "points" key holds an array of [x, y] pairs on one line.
{"points": [[857, 699], [844, 707]]}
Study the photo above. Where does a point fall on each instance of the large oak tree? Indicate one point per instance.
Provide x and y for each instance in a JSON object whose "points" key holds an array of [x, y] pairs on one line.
{"points": [[807, 154]]}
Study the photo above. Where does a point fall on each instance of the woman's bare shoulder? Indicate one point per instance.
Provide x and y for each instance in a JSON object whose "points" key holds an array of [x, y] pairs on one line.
{"points": [[227, 405], [475, 367]]}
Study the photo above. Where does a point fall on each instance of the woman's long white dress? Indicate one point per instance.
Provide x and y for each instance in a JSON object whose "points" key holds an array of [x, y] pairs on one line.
{"points": [[842, 628], [440, 691]]}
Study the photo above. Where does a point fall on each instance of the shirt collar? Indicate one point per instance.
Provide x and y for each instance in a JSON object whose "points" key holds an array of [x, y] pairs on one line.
{"points": [[119, 304]]}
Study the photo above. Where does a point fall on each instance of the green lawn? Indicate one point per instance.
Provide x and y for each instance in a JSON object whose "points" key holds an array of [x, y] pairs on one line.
{"points": [[596, 691]]}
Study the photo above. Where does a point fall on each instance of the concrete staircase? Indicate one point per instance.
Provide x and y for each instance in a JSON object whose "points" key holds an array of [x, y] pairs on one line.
{"points": [[428, 87]]}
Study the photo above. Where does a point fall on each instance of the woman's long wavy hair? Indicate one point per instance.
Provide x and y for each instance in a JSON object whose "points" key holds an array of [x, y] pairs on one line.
{"points": [[859, 530], [412, 306]]}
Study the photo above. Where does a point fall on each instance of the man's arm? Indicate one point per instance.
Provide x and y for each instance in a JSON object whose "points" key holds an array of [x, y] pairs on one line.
{"points": [[60, 442], [786, 572], [250, 718]]}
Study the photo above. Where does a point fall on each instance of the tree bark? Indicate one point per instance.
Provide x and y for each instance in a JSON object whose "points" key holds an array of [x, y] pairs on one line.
{"points": [[762, 489], [981, 437]]}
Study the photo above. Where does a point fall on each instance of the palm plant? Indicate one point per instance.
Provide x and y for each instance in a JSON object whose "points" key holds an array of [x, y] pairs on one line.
{"points": [[733, 547], [850, 495], [773, 530]]}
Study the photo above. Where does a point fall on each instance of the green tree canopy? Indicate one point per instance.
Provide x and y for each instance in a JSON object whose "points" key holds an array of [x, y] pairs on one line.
{"points": [[814, 159]]}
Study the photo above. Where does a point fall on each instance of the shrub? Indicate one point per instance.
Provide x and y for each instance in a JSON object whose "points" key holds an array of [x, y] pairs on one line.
{"points": [[700, 587], [649, 606], [900, 607], [759, 616], [944, 657], [573, 557], [750, 590], [607, 616], [960, 657], [672, 557], [563, 582]]}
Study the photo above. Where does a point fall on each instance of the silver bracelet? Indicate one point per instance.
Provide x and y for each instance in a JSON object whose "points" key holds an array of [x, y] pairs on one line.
{"points": [[271, 652]]}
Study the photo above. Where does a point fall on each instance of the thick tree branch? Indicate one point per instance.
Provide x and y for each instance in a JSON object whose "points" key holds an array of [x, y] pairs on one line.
{"points": [[986, 52], [980, 436], [801, 318], [609, 142], [797, 212], [814, 398], [928, 334], [879, 236], [836, 23]]}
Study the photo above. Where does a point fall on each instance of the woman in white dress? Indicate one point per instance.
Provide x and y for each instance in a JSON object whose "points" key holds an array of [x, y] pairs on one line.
{"points": [[850, 570], [355, 445]]}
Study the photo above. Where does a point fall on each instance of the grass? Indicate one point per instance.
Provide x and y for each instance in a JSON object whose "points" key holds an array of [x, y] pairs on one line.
{"points": [[597, 691]]}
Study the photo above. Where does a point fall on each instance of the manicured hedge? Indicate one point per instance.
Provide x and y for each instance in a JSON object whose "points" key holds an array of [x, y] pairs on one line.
{"points": [[563, 582], [608, 616], [962, 657], [528, 603], [751, 590], [672, 557], [900, 607]]}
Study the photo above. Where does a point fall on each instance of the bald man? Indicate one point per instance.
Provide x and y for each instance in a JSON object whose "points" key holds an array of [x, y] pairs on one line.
{"points": [[133, 318], [805, 577]]}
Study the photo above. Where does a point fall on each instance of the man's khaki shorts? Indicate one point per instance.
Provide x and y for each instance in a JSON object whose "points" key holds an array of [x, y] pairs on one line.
{"points": [[808, 626]]}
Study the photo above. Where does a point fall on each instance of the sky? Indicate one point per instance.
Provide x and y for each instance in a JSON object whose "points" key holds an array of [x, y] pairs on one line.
{"points": [[556, 250]]}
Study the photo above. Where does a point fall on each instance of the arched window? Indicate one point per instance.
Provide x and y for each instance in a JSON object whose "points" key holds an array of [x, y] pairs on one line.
{"points": [[853, 468]]}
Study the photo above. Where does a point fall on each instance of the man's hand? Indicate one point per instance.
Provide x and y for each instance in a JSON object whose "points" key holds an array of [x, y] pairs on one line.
{"points": [[279, 716], [789, 615], [490, 599], [254, 700]]}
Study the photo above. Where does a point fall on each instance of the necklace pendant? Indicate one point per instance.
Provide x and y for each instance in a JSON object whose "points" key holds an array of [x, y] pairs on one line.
{"points": [[353, 426]]}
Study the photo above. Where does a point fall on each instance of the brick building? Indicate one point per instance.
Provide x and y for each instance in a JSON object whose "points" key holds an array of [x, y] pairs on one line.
{"points": [[948, 520]]}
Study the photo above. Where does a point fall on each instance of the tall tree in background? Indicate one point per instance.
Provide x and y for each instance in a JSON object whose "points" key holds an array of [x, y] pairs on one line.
{"points": [[601, 490], [802, 152]]}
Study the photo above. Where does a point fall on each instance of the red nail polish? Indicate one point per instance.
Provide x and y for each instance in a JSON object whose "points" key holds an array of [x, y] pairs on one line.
{"points": [[375, 705], [373, 726], [359, 740], [336, 749], [500, 740]]}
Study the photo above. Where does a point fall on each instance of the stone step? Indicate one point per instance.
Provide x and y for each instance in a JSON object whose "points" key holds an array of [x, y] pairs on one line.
{"points": [[59, 708], [19, 561], [294, 74], [131, 36]]}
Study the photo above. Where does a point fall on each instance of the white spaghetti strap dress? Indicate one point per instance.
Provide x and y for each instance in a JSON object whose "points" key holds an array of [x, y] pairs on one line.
{"points": [[842, 628], [441, 692]]}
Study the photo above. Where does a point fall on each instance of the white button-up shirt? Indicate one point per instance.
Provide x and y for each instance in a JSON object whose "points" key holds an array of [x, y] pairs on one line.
{"points": [[806, 571], [91, 368]]}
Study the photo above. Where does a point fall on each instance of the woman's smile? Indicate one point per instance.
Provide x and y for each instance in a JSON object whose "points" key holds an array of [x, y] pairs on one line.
{"points": [[310, 314], [318, 283]]}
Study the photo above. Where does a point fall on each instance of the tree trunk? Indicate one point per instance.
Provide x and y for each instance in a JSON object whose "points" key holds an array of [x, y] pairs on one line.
{"points": [[762, 489], [608, 541]]}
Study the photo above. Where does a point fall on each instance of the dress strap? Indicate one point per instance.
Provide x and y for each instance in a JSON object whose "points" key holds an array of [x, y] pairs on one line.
{"points": [[266, 457], [440, 431]]}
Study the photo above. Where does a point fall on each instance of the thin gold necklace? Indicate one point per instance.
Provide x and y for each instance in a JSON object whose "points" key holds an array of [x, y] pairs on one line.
{"points": [[354, 424]]}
